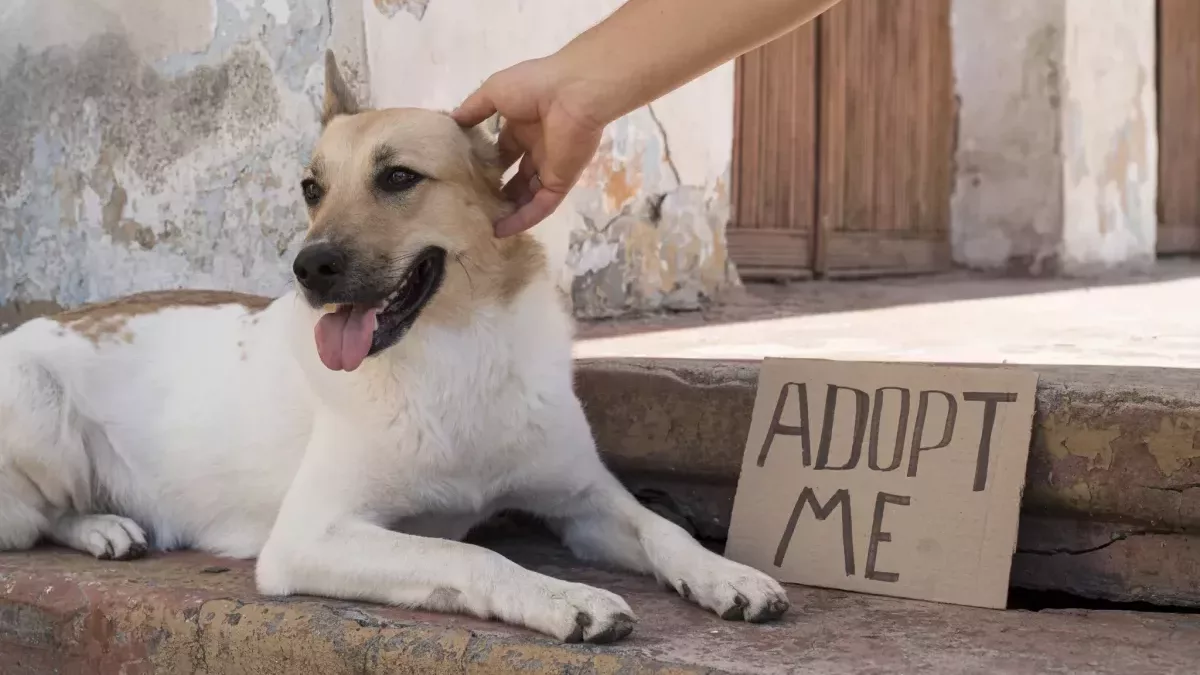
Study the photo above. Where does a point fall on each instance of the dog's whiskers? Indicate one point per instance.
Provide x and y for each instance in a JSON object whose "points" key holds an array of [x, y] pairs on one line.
{"points": [[459, 259]]}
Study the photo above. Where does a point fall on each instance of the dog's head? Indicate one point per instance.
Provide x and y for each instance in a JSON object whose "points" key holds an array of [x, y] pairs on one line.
{"points": [[401, 204]]}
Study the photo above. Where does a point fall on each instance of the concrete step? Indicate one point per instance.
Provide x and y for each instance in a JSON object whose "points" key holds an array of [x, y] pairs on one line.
{"points": [[1112, 496], [63, 612]]}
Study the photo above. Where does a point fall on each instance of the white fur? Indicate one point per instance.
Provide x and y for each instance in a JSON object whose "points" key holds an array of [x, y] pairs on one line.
{"points": [[217, 428]]}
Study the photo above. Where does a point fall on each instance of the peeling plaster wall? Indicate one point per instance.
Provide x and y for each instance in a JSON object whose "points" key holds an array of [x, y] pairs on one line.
{"points": [[1007, 205], [645, 228], [1057, 148], [153, 145], [1110, 140]]}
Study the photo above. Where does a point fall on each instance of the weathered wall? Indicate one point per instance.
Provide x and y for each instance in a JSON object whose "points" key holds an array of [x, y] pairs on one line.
{"points": [[1007, 203], [154, 145], [1110, 139], [1057, 140], [645, 229]]}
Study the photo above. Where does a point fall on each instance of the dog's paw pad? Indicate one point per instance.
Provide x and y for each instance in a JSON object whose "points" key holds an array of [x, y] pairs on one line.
{"points": [[619, 627], [108, 537], [738, 611], [582, 621], [774, 609], [136, 550]]}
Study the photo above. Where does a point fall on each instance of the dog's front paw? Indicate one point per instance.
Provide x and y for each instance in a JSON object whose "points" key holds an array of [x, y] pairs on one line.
{"points": [[733, 591], [580, 613], [105, 536]]}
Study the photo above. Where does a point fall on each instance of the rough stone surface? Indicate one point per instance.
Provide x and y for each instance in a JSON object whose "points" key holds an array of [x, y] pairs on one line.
{"points": [[1057, 151], [1114, 561], [645, 227], [190, 613], [150, 149], [1109, 446]]}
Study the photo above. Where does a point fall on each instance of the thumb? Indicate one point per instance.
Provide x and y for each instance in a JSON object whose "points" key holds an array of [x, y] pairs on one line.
{"points": [[475, 109]]}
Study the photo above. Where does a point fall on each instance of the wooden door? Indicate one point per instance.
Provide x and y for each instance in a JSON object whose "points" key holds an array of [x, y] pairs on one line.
{"points": [[843, 145], [774, 158], [1179, 126], [887, 134]]}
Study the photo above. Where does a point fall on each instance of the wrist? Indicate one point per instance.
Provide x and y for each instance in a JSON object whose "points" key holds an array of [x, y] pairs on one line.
{"points": [[588, 87]]}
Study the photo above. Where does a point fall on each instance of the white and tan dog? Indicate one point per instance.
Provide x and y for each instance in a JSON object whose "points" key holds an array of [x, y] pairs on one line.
{"points": [[350, 449]]}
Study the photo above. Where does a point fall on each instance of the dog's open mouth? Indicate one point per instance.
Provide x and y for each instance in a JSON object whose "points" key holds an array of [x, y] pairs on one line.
{"points": [[349, 333]]}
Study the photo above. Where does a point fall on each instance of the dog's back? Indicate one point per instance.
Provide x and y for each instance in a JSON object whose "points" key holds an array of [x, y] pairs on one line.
{"points": [[158, 407]]}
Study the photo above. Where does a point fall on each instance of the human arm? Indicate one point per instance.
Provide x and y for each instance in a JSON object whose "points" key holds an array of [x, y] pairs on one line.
{"points": [[557, 107]]}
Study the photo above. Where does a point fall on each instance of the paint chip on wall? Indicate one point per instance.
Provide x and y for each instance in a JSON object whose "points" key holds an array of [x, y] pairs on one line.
{"points": [[390, 8]]}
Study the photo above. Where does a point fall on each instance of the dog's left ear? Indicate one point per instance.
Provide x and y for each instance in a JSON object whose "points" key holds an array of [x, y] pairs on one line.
{"points": [[484, 141], [487, 165], [338, 98]]}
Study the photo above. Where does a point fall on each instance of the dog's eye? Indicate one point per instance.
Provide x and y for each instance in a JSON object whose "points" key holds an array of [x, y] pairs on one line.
{"points": [[312, 191], [397, 179]]}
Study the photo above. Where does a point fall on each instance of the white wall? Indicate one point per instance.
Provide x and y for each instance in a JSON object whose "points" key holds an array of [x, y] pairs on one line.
{"points": [[1057, 151]]}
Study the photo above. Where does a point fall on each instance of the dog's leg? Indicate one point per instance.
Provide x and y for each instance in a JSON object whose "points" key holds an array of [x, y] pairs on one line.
{"points": [[322, 545], [45, 474], [600, 520]]}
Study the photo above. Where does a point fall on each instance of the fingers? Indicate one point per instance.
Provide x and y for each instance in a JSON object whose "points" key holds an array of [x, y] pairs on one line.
{"points": [[520, 188], [537, 209], [510, 148], [534, 201], [475, 109]]}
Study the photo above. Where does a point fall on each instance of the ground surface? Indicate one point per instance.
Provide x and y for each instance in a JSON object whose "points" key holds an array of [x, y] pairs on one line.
{"points": [[1141, 321], [188, 613]]}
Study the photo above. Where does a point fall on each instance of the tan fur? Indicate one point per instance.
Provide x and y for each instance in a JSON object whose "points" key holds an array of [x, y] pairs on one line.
{"points": [[338, 99], [102, 320], [453, 208]]}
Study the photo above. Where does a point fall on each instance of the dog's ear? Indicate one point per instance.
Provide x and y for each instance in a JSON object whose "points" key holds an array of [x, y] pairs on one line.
{"points": [[339, 100], [487, 163], [485, 141]]}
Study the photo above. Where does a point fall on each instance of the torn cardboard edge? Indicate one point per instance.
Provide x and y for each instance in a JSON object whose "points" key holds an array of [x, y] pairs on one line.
{"points": [[894, 479]]}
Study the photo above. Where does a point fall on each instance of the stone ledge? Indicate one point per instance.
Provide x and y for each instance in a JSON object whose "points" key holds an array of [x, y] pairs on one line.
{"points": [[191, 613], [1114, 449]]}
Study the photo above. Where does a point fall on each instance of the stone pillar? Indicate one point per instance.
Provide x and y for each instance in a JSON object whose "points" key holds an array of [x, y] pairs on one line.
{"points": [[1057, 147]]}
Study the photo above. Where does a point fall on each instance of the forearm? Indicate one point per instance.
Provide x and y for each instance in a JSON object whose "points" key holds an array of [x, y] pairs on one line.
{"points": [[650, 47]]}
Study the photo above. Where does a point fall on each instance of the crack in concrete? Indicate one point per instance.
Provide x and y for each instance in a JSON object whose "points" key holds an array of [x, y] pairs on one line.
{"points": [[1092, 549], [200, 656], [1118, 537], [1178, 489], [662, 131]]}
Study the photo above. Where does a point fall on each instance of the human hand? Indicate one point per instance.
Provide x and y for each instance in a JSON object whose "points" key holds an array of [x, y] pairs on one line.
{"points": [[550, 125]]}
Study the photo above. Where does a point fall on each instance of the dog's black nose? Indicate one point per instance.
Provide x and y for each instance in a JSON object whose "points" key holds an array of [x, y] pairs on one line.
{"points": [[319, 267]]}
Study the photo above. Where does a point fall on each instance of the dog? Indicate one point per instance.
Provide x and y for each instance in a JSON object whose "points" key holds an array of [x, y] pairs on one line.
{"points": [[416, 380]]}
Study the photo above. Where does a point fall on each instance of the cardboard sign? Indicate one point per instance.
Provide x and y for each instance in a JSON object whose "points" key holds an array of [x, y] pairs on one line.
{"points": [[892, 479]]}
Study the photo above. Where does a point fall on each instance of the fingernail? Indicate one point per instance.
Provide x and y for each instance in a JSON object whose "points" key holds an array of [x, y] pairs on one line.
{"points": [[535, 183]]}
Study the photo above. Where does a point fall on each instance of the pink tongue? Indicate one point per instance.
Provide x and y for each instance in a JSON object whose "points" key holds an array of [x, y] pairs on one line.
{"points": [[344, 337]]}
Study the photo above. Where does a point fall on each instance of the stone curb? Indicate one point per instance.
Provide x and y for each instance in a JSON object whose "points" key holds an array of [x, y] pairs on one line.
{"points": [[1115, 449], [63, 612]]}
